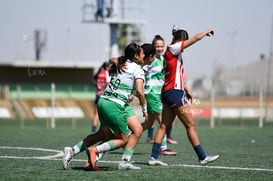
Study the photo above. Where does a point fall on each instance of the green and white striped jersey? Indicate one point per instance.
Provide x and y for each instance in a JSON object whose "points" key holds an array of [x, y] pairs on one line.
{"points": [[122, 84], [154, 76]]}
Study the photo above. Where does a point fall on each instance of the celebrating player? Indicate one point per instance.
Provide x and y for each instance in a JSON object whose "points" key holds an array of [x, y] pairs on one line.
{"points": [[174, 94]]}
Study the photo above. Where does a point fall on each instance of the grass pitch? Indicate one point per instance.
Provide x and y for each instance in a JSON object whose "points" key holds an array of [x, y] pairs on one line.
{"points": [[32, 152]]}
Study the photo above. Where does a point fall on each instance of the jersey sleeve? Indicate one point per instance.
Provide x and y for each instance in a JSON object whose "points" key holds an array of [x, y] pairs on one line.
{"points": [[139, 74], [177, 48], [146, 68]]}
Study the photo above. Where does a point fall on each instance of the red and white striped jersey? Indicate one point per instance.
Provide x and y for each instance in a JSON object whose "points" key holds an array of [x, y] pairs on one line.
{"points": [[173, 67], [102, 81]]}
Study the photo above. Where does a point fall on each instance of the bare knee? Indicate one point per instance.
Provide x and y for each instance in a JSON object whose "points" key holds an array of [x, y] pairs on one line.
{"points": [[124, 139], [163, 126], [138, 131]]}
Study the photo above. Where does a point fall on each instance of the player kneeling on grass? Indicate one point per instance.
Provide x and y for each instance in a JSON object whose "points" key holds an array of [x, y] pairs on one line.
{"points": [[174, 96]]}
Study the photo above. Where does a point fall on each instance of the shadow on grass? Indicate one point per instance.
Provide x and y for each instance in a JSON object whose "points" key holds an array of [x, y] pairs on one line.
{"points": [[82, 169]]}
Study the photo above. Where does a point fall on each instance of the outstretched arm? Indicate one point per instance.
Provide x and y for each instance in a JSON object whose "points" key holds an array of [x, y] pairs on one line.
{"points": [[198, 37]]}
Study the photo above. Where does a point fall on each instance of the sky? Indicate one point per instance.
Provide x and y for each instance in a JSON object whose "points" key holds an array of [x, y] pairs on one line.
{"points": [[243, 31]]}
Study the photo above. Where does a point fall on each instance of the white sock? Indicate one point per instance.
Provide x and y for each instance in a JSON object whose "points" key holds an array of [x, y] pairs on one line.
{"points": [[76, 150], [104, 147]]}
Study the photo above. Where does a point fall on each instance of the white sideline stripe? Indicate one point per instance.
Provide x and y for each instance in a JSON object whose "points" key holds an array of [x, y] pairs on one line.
{"points": [[60, 154], [224, 168]]}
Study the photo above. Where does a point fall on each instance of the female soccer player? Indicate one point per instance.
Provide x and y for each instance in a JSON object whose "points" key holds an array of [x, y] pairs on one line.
{"points": [[174, 94], [114, 112], [152, 90]]}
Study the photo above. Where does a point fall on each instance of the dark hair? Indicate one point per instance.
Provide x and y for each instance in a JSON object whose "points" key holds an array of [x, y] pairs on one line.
{"points": [[131, 50], [157, 37], [102, 67], [179, 35], [148, 49], [129, 53]]}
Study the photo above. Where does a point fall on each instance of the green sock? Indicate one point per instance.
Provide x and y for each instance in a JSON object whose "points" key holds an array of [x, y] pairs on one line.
{"points": [[127, 154]]}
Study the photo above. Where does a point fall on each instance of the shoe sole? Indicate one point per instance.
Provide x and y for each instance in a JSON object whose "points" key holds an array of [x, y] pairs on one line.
{"points": [[173, 143], [128, 168], [169, 154], [152, 163], [209, 161]]}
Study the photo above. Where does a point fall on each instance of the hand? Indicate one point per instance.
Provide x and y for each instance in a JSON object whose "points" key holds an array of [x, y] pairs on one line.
{"points": [[145, 115], [189, 96], [123, 68], [210, 33], [131, 98]]}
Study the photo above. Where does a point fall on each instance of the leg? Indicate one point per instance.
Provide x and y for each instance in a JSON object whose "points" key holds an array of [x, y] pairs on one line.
{"points": [[95, 121], [102, 135], [150, 122], [185, 116], [168, 116], [169, 138], [136, 128], [150, 135], [150, 126], [113, 144], [100, 6], [164, 148], [111, 115]]}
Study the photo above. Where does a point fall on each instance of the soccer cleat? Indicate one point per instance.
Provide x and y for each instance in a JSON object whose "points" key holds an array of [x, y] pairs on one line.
{"points": [[68, 156], [91, 166], [208, 159], [125, 165], [149, 141], [87, 167], [168, 152], [154, 161], [171, 141]]}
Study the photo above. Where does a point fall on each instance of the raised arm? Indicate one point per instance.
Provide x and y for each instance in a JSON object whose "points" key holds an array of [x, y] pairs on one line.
{"points": [[198, 37]]}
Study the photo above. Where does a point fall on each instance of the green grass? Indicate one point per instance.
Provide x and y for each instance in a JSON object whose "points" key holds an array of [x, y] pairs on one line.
{"points": [[233, 144]]}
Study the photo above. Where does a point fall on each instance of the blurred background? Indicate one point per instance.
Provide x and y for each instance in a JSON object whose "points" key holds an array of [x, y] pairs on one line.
{"points": [[50, 51]]}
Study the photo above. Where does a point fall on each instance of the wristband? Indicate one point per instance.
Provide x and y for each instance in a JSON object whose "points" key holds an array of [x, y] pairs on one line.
{"points": [[144, 107]]}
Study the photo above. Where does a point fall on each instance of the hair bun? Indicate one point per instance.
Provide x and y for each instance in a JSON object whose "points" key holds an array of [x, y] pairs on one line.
{"points": [[175, 28]]}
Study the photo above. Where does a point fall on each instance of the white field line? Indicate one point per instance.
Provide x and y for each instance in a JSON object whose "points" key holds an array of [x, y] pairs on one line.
{"points": [[224, 168], [59, 153]]}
